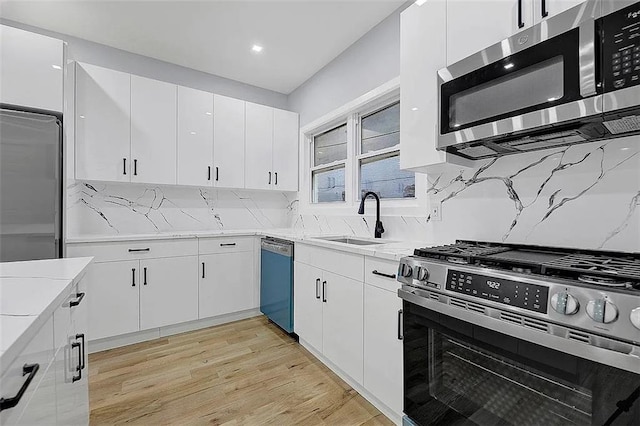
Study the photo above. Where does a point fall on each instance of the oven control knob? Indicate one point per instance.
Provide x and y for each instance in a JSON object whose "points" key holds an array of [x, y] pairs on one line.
{"points": [[635, 318], [602, 310], [564, 303], [405, 270], [422, 274]]}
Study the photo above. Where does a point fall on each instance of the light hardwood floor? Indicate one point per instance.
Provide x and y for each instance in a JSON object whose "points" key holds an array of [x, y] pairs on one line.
{"points": [[243, 373]]}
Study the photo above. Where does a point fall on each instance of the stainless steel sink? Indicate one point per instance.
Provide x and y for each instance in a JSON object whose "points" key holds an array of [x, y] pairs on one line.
{"points": [[353, 241]]}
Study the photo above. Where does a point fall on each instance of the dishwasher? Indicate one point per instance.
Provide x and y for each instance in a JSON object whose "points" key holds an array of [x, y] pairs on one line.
{"points": [[276, 281]]}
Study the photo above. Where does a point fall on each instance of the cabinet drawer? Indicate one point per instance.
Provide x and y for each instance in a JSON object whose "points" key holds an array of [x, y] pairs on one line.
{"points": [[38, 351], [225, 245], [381, 273], [132, 250], [337, 261]]}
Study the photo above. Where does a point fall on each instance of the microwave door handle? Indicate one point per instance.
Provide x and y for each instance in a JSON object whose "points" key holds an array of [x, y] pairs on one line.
{"points": [[587, 58]]}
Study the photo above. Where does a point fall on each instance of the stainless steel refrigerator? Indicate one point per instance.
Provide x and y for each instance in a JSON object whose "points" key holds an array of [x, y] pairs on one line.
{"points": [[30, 185]]}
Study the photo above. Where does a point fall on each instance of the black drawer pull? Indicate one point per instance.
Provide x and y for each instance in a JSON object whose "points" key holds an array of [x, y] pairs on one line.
{"points": [[31, 370], [202, 269], [400, 330], [317, 288], [144, 271], [276, 175], [79, 366], [520, 21], [135, 167], [76, 302], [133, 277], [136, 250], [227, 244], [217, 174], [324, 291], [208, 172], [124, 166], [382, 274], [81, 338]]}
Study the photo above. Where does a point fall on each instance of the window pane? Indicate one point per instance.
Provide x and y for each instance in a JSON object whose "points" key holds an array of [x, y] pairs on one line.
{"points": [[383, 176], [330, 146], [381, 129], [328, 185]]}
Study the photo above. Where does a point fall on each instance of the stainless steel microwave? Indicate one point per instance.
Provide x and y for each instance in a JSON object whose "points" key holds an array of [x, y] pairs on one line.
{"points": [[570, 79]]}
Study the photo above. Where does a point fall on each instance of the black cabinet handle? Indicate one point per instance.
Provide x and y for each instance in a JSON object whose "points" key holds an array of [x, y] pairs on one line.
{"points": [[135, 167], [124, 166], [276, 175], [269, 178], [382, 274], [76, 302], [144, 271], [79, 366], [81, 337], [208, 172], [317, 288], [545, 12], [520, 22], [227, 244], [400, 331], [324, 291], [216, 174], [31, 370], [133, 277], [142, 249], [202, 269]]}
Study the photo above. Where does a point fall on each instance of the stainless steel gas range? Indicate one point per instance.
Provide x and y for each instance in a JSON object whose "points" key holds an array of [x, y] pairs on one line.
{"points": [[506, 334]]}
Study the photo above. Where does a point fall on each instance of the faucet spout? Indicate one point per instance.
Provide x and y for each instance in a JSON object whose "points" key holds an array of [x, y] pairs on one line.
{"points": [[379, 229]]}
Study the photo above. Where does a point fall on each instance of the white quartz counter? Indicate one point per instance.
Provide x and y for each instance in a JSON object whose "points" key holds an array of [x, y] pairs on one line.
{"points": [[390, 249], [29, 294]]}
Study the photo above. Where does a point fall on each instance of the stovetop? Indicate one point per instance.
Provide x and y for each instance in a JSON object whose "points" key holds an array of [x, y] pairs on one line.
{"points": [[605, 268]]}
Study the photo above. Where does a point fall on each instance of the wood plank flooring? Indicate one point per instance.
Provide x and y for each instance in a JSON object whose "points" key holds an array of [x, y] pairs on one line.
{"points": [[244, 373]]}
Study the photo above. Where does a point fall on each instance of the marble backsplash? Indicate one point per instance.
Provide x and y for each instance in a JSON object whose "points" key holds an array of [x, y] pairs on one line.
{"points": [[95, 208]]}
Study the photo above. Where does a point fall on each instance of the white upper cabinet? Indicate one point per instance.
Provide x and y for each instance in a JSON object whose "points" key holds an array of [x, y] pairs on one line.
{"points": [[102, 119], [228, 141], [285, 150], [153, 131], [473, 25], [422, 54], [195, 137], [543, 9], [259, 142], [31, 69]]}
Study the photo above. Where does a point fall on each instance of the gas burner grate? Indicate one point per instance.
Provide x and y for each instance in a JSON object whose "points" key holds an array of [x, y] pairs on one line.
{"points": [[461, 252], [582, 264]]}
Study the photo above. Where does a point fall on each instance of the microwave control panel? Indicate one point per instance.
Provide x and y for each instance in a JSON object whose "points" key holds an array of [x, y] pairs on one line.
{"points": [[514, 293], [621, 48]]}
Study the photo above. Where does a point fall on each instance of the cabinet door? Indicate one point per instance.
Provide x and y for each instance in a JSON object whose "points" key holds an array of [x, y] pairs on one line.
{"points": [[227, 283], [195, 137], [228, 142], [31, 69], [342, 323], [285, 150], [168, 291], [41, 408], [112, 291], [382, 349], [473, 25], [153, 131], [258, 143], [102, 108], [307, 304], [72, 385], [543, 9]]}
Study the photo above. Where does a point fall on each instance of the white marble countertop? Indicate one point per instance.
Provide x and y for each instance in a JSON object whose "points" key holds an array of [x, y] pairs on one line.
{"points": [[30, 293], [389, 249]]}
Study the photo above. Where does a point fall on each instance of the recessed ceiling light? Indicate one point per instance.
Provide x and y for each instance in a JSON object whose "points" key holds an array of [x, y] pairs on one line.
{"points": [[414, 109], [256, 48], [625, 149], [508, 66], [208, 113], [56, 67], [420, 2], [193, 133], [82, 116]]}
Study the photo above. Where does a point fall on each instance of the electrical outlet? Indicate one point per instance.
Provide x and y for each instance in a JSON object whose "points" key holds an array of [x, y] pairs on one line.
{"points": [[435, 212]]}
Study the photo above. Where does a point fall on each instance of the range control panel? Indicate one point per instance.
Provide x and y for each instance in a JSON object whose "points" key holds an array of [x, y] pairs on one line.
{"points": [[621, 48], [527, 296]]}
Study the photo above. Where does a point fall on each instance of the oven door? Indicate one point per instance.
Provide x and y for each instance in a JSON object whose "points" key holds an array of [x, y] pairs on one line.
{"points": [[542, 76], [458, 373]]}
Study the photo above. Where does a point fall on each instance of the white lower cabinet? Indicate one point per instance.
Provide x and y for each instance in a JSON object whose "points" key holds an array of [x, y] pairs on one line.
{"points": [[168, 291], [307, 304], [383, 367]]}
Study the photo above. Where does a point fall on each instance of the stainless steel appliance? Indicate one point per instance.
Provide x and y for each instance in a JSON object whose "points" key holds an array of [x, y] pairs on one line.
{"points": [[520, 335], [276, 282], [570, 79], [30, 185]]}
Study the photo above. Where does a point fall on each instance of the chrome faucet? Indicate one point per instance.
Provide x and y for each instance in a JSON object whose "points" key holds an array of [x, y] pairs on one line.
{"points": [[379, 228]]}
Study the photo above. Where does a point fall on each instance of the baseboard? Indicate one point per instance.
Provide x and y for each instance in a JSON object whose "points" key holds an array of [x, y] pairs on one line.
{"points": [[100, 345], [396, 418]]}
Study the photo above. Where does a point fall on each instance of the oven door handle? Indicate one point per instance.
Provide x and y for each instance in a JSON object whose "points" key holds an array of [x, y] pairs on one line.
{"points": [[587, 58], [400, 328]]}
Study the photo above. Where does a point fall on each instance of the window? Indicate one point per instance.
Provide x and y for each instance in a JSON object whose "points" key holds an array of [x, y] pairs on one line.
{"points": [[358, 156], [379, 158], [329, 160]]}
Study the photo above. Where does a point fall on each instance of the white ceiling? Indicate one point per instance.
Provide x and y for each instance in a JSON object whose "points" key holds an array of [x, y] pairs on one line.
{"points": [[299, 36]]}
